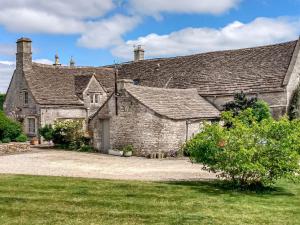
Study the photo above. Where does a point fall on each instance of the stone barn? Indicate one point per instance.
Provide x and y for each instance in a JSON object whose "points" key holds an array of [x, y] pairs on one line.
{"points": [[150, 119]]}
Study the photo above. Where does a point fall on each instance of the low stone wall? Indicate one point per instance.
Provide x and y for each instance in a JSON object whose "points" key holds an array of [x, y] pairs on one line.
{"points": [[12, 148]]}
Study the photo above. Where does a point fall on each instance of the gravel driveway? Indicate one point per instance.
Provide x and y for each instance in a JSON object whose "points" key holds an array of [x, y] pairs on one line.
{"points": [[94, 165]]}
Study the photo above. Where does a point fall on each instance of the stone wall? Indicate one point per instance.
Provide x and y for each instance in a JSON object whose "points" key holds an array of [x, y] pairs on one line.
{"points": [[12, 148], [141, 127]]}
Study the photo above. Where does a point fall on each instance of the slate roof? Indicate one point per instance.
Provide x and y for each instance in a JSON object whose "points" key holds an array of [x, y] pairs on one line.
{"points": [[175, 104], [253, 70], [59, 85]]}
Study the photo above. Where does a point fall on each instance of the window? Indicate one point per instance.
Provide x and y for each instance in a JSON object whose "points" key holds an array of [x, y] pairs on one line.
{"points": [[92, 98], [26, 98], [97, 98], [31, 126]]}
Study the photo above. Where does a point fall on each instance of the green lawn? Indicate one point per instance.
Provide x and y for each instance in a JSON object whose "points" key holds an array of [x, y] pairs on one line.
{"points": [[51, 200]]}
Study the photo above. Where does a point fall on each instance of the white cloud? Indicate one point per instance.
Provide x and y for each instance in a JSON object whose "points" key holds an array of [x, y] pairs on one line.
{"points": [[55, 16], [6, 72], [43, 61], [155, 7], [107, 33], [235, 35], [82, 17]]}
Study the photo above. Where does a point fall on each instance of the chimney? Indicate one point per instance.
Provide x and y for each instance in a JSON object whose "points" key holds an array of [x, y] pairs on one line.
{"points": [[121, 84], [24, 54], [56, 62], [139, 53], [72, 62]]}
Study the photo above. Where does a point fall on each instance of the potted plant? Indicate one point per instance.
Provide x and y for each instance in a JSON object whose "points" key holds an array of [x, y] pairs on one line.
{"points": [[115, 152], [127, 151], [34, 141]]}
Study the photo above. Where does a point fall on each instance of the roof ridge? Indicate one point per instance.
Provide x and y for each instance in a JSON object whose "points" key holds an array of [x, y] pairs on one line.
{"points": [[68, 67], [208, 52]]}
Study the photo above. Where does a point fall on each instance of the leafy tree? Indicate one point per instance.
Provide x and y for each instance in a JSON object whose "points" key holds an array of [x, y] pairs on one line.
{"points": [[260, 109], [2, 97], [250, 152], [240, 103]]}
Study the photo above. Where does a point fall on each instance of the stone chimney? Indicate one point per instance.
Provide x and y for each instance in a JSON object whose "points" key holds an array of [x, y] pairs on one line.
{"points": [[121, 84], [139, 53], [56, 61], [72, 62], [24, 54]]}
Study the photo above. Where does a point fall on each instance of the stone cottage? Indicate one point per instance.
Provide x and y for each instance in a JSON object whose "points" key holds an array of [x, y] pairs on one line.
{"points": [[150, 119], [40, 94]]}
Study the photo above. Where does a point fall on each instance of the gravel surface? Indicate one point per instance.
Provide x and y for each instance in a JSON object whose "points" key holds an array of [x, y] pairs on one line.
{"points": [[94, 165]]}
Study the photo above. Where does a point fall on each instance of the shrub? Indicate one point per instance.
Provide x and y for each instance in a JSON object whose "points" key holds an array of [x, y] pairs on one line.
{"points": [[86, 148], [6, 140], [249, 153], [9, 128], [127, 148], [66, 132], [66, 135], [47, 132], [21, 138]]}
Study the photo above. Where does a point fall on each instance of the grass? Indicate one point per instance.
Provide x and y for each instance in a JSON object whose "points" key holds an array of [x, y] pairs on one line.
{"points": [[52, 200]]}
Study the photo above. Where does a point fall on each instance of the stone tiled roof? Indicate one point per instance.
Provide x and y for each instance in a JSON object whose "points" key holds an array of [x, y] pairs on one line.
{"points": [[259, 69], [175, 104], [60, 85]]}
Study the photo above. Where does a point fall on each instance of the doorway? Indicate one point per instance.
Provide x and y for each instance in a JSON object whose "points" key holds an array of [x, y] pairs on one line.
{"points": [[105, 142]]}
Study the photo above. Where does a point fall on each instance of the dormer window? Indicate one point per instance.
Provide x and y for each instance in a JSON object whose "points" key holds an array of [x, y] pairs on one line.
{"points": [[26, 99]]}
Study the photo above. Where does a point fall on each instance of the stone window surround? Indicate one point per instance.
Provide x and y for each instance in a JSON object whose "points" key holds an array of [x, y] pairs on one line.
{"points": [[27, 126], [95, 98], [25, 97]]}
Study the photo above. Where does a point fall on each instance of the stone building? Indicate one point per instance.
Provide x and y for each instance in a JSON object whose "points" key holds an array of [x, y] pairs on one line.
{"points": [[40, 94], [150, 119]]}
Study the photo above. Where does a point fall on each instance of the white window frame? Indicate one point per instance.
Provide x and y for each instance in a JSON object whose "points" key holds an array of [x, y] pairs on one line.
{"points": [[95, 98]]}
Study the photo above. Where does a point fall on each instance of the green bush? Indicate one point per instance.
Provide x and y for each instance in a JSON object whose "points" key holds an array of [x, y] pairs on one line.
{"points": [[66, 135], [9, 128], [250, 152], [260, 109], [6, 140], [127, 148], [22, 138], [47, 132]]}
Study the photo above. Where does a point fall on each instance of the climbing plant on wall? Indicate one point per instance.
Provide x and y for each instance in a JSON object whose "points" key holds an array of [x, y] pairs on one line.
{"points": [[294, 107], [2, 97]]}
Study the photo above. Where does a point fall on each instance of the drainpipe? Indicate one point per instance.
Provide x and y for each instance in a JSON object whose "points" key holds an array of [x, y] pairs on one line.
{"points": [[186, 130], [116, 90]]}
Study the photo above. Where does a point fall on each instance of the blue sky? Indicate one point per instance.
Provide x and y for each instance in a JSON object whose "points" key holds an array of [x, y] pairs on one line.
{"points": [[97, 32]]}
